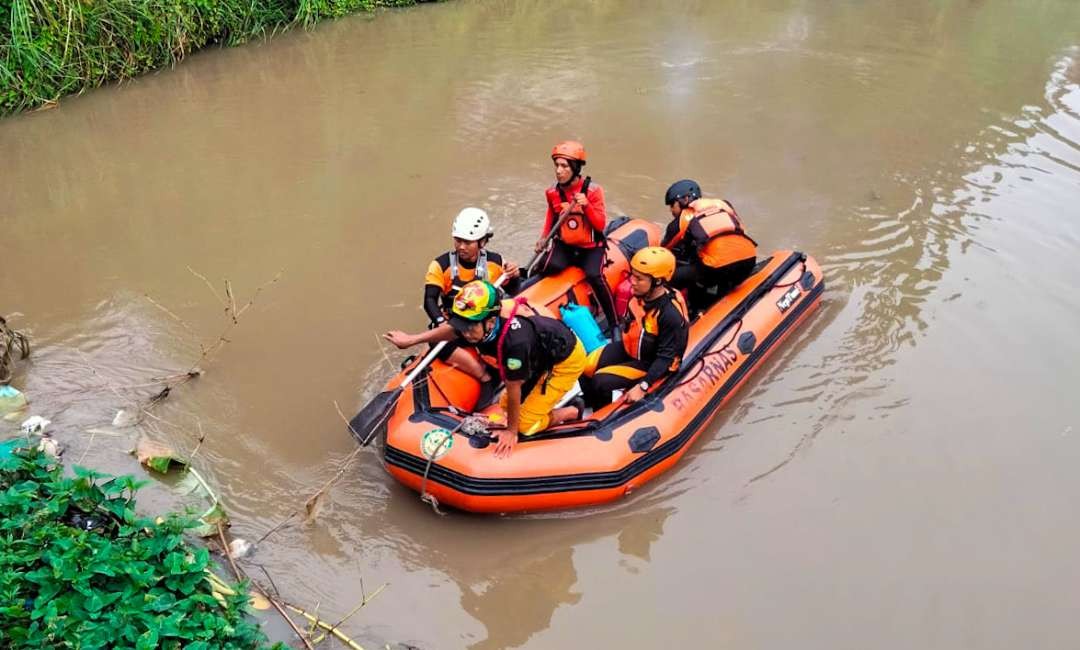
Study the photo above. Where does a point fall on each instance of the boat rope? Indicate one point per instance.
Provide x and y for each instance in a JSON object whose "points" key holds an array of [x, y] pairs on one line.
{"points": [[424, 495], [471, 426]]}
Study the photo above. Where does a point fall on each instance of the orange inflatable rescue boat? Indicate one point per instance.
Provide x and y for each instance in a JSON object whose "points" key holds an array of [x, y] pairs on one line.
{"points": [[620, 447]]}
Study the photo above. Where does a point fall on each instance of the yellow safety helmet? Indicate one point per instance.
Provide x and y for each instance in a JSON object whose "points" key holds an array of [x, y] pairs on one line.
{"points": [[654, 261], [476, 301]]}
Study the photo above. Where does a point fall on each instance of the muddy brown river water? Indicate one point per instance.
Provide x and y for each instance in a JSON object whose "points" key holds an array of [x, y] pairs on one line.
{"points": [[902, 474]]}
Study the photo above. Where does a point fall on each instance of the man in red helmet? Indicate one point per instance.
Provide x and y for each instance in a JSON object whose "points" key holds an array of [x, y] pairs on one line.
{"points": [[577, 215]]}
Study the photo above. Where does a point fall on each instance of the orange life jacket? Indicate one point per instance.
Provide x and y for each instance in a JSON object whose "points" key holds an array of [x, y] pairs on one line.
{"points": [[716, 232], [576, 230], [639, 335]]}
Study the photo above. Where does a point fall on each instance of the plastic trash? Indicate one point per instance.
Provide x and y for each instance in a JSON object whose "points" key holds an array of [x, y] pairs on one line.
{"points": [[35, 424], [584, 325], [11, 400]]}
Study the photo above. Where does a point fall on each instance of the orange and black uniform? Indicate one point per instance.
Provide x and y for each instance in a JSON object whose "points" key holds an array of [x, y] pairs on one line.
{"points": [[714, 253], [543, 353], [447, 274], [655, 334], [580, 240]]}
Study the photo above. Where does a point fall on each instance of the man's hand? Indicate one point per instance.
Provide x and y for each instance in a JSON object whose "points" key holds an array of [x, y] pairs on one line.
{"points": [[511, 270], [581, 199], [506, 444], [540, 243], [400, 339], [635, 394]]}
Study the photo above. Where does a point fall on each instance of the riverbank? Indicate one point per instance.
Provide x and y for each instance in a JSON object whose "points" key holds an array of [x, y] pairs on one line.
{"points": [[52, 49]]}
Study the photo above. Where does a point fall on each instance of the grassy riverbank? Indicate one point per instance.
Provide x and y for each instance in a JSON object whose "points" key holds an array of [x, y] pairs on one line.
{"points": [[52, 48]]}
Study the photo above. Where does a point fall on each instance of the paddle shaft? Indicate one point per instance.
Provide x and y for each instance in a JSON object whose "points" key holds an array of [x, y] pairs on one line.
{"points": [[550, 239]]}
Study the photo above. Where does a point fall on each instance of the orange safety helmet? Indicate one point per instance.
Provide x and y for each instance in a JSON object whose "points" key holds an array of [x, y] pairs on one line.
{"points": [[654, 261], [569, 149]]}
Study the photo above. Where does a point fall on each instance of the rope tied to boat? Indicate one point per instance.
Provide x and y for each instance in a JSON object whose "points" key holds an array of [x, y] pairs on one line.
{"points": [[10, 340], [470, 426]]}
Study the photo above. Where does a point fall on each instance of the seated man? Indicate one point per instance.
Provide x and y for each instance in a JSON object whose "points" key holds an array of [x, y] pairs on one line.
{"points": [[655, 332], [714, 253], [469, 260], [537, 357]]}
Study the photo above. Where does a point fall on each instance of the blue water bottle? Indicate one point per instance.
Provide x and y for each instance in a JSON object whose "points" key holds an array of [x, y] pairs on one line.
{"points": [[584, 325]]}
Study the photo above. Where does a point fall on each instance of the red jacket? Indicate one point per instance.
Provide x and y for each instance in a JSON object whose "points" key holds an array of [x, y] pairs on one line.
{"points": [[584, 230]]}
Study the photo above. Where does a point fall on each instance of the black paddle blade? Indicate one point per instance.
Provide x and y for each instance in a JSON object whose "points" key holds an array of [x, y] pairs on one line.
{"points": [[372, 418]]}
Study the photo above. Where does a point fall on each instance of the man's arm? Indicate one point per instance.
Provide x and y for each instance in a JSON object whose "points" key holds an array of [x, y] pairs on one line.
{"points": [[433, 303], [404, 340], [508, 437]]}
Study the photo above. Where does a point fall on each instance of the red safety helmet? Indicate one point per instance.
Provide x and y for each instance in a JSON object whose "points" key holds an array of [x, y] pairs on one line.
{"points": [[569, 149]]}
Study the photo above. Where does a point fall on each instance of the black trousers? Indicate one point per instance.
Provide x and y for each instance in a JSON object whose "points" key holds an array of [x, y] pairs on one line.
{"points": [[615, 370], [590, 260], [705, 285]]}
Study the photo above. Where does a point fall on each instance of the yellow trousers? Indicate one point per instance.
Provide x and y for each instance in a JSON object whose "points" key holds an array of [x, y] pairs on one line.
{"points": [[537, 406]]}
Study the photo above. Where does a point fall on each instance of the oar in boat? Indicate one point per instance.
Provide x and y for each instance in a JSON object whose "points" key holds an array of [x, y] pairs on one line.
{"points": [[365, 423], [550, 239]]}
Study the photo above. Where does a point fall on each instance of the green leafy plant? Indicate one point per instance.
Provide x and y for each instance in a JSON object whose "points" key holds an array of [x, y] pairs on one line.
{"points": [[80, 569]]}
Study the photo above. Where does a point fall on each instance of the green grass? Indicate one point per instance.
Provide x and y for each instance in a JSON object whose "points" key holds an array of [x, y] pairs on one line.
{"points": [[51, 48]]}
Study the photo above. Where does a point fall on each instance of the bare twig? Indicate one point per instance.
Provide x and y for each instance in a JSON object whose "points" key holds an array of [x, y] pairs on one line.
{"points": [[275, 529], [269, 579], [323, 624], [228, 553], [202, 437], [314, 624], [312, 502], [210, 286], [258, 291], [277, 606], [240, 576], [345, 419], [364, 601], [176, 318], [231, 309], [157, 381], [385, 356], [93, 434]]}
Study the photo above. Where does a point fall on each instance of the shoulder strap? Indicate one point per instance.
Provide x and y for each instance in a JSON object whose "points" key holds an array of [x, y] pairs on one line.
{"points": [[481, 265], [519, 301], [453, 268]]}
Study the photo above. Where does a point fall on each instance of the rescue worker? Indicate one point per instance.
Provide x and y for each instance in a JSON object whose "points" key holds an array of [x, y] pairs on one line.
{"points": [[469, 260], [713, 251], [655, 333], [579, 236], [537, 357]]}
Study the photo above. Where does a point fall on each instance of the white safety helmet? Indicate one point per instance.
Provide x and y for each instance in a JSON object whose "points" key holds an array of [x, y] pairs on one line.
{"points": [[472, 224]]}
